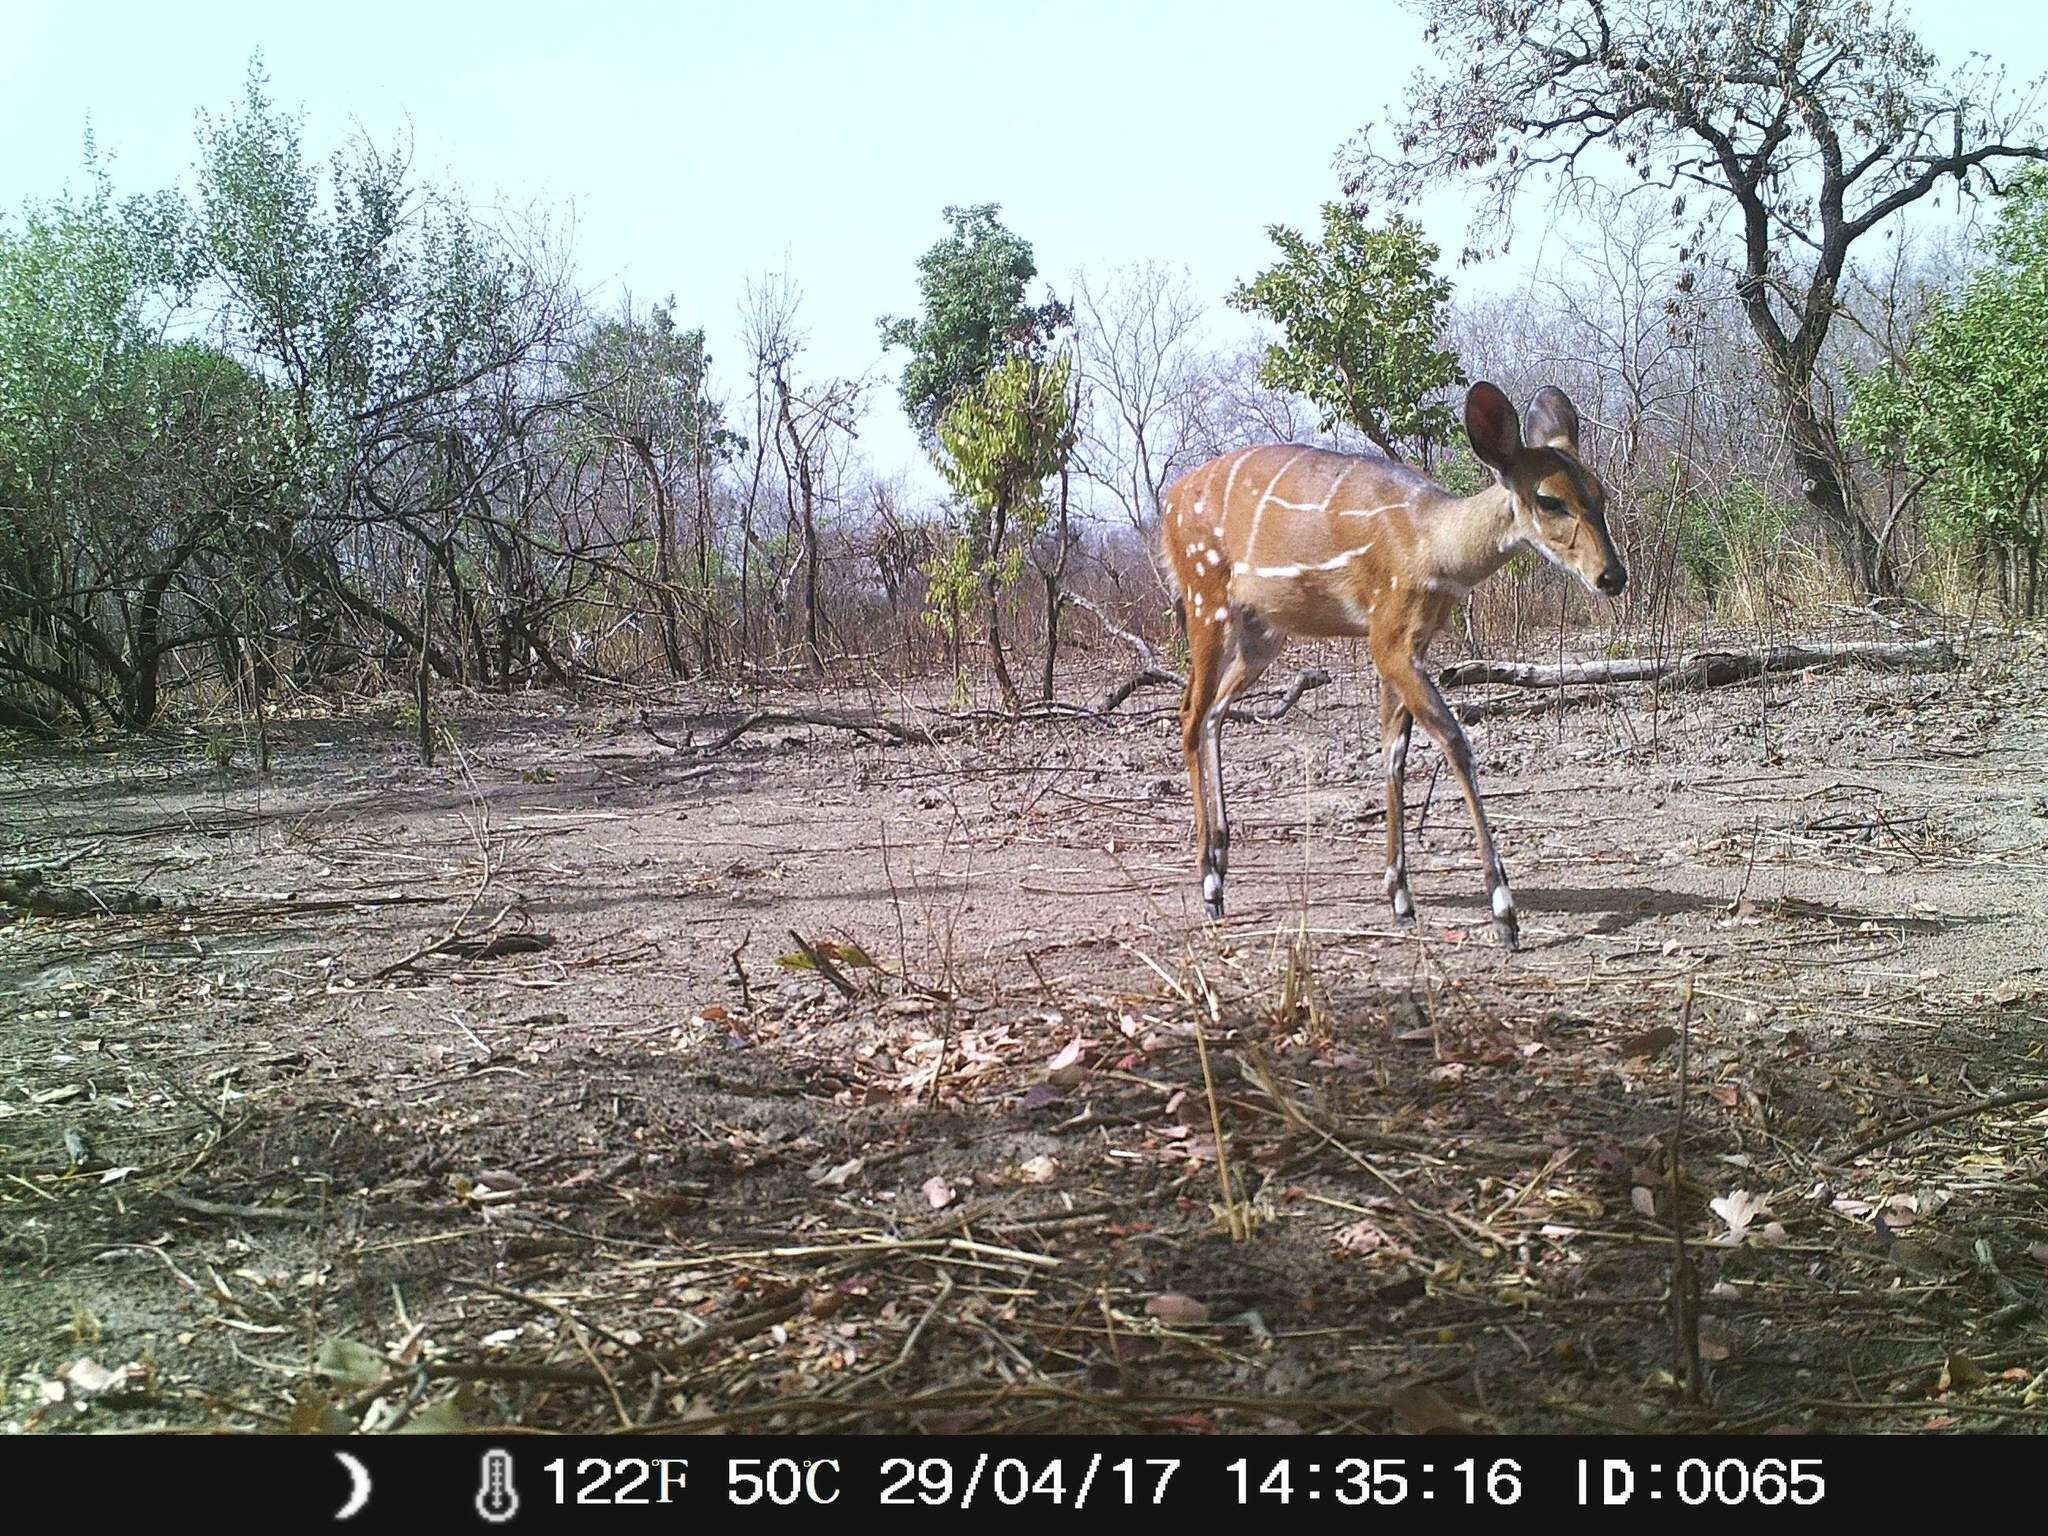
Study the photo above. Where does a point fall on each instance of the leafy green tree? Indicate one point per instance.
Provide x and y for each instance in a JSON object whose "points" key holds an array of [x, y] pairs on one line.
{"points": [[395, 323], [1804, 123], [133, 473], [1965, 407], [643, 386], [998, 445], [973, 284], [1363, 316]]}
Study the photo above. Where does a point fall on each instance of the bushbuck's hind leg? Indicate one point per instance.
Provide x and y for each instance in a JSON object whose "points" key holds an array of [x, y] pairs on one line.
{"points": [[1397, 725], [1419, 694]]}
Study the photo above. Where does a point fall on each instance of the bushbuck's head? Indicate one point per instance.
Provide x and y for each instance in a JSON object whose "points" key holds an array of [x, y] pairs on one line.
{"points": [[1558, 504]]}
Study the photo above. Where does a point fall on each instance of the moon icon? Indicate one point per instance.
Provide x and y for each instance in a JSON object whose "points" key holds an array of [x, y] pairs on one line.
{"points": [[359, 1493]]}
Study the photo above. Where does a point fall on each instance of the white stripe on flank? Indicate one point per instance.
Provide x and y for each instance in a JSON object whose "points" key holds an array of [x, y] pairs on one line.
{"points": [[1315, 506], [1251, 542], [1368, 511], [1289, 572], [1230, 480]]}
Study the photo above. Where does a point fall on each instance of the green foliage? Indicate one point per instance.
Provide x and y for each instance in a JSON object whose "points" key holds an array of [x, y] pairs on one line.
{"points": [[370, 299], [973, 284], [1968, 405], [998, 445], [648, 379], [124, 459], [78, 283], [1362, 316], [1730, 536]]}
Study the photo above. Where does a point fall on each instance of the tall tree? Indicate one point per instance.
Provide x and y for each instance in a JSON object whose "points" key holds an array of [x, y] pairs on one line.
{"points": [[1149, 387], [644, 388], [998, 445], [1810, 122], [1964, 408], [973, 283], [134, 474], [1362, 316]]}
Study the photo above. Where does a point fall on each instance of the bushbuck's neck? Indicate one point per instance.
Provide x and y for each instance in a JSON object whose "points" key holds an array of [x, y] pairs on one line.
{"points": [[1465, 539]]}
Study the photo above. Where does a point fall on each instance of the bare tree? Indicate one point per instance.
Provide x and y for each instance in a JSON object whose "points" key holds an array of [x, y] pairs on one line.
{"points": [[1809, 122], [1149, 386]]}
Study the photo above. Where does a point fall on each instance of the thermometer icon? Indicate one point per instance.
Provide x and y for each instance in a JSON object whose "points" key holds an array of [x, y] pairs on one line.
{"points": [[495, 1500]]}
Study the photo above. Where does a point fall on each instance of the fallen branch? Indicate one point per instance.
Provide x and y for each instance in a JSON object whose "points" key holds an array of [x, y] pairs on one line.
{"points": [[867, 727], [1928, 1122], [1708, 669], [877, 729], [1136, 642]]}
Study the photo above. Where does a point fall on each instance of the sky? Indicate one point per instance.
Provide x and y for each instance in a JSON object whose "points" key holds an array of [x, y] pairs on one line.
{"points": [[698, 147]]}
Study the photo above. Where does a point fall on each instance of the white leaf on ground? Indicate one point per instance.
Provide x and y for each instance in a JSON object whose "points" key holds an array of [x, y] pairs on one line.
{"points": [[836, 1178], [1739, 1210]]}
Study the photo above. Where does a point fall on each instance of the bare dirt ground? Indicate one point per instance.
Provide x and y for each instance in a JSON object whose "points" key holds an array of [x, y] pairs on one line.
{"points": [[633, 1170]]}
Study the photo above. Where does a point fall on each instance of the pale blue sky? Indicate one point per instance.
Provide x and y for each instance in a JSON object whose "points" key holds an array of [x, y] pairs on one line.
{"points": [[699, 146]]}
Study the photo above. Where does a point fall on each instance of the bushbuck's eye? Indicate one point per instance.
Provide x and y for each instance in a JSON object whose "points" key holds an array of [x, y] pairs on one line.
{"points": [[1551, 505]]}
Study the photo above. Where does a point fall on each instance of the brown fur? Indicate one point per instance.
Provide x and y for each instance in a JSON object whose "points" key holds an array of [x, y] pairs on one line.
{"points": [[1282, 540]]}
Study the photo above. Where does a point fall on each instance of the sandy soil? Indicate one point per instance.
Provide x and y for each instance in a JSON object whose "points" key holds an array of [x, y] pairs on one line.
{"points": [[649, 1174]]}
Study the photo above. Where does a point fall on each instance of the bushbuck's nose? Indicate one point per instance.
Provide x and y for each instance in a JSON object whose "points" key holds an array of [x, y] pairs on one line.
{"points": [[1612, 580]]}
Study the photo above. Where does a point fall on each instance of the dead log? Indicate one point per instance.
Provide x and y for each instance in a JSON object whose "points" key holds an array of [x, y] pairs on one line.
{"points": [[27, 889], [1709, 669], [867, 727]]}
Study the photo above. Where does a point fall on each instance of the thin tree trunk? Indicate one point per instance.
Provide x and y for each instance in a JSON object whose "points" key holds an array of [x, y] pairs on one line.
{"points": [[423, 672]]}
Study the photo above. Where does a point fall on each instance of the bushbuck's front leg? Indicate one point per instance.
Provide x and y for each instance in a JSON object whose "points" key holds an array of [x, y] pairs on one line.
{"points": [[1248, 648], [1419, 694], [1397, 724], [1205, 659]]}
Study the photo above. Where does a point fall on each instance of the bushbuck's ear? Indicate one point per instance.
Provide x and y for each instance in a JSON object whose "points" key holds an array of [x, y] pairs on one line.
{"points": [[1490, 424], [1553, 419]]}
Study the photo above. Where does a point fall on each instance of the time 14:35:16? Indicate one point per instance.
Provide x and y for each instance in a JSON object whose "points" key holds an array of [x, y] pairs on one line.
{"points": [[1359, 1481]]}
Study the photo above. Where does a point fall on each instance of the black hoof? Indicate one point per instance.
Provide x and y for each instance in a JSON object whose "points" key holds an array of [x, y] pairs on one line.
{"points": [[1508, 931], [1215, 906]]}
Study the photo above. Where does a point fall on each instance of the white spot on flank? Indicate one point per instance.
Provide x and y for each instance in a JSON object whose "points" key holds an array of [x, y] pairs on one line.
{"points": [[1221, 614], [1198, 602], [1214, 558], [1503, 901]]}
